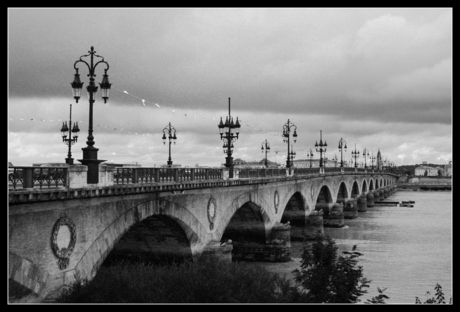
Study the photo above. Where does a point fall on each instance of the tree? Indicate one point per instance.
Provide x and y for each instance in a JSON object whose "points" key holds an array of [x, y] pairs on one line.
{"points": [[328, 277]]}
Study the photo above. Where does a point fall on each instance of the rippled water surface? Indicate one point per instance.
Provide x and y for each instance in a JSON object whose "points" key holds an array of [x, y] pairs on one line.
{"points": [[407, 250]]}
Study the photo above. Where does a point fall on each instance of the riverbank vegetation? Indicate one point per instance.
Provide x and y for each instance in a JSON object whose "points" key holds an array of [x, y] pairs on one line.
{"points": [[323, 277]]}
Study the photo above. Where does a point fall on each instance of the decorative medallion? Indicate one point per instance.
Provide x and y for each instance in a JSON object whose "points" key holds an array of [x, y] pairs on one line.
{"points": [[312, 194], [63, 240], [212, 211], [276, 200]]}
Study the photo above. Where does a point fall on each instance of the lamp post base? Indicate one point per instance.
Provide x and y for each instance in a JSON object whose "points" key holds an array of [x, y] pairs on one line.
{"points": [[229, 165], [90, 160], [69, 161], [169, 162]]}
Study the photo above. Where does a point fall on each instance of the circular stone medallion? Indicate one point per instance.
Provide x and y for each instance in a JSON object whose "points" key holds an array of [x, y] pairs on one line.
{"points": [[63, 239], [212, 211], [276, 200]]}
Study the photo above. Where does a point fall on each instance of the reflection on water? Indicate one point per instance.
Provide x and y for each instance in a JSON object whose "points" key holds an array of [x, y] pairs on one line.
{"points": [[407, 250]]}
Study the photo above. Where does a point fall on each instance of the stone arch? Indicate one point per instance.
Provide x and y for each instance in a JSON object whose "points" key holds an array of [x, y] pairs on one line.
{"points": [[26, 275], [381, 183], [342, 193], [355, 190], [364, 189], [236, 204], [376, 183], [156, 239], [95, 255], [324, 198], [246, 230], [295, 214], [371, 185]]}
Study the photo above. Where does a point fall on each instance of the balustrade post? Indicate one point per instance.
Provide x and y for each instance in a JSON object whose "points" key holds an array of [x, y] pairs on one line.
{"points": [[156, 174], [135, 176], [28, 177], [176, 174]]}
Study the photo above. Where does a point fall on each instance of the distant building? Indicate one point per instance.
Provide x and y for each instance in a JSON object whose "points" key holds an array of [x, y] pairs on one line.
{"points": [[239, 163], [50, 165], [305, 163], [121, 165], [427, 171], [448, 169]]}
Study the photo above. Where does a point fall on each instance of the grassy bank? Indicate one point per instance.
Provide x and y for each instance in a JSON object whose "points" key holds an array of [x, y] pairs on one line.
{"points": [[201, 282]]}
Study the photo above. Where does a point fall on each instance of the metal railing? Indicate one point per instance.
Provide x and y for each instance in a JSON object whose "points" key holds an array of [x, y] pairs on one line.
{"points": [[32, 177], [158, 175]]}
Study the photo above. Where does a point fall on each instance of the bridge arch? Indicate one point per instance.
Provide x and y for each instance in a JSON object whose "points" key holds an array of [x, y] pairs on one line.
{"points": [[236, 204], [246, 230], [295, 214], [324, 199], [355, 190], [90, 262], [364, 190], [376, 183], [371, 185], [342, 193]]}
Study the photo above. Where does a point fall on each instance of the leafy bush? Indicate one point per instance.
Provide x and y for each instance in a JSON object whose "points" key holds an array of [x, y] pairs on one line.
{"points": [[329, 278], [438, 299]]}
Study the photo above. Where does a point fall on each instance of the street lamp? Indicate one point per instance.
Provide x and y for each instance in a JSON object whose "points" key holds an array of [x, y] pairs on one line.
{"points": [[171, 138], [90, 152], [355, 154], [286, 135], [342, 146], [292, 155], [372, 158], [310, 155], [65, 130], [265, 147], [321, 148], [229, 133], [365, 154]]}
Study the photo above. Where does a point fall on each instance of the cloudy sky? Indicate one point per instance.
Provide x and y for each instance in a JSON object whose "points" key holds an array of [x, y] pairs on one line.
{"points": [[378, 78]]}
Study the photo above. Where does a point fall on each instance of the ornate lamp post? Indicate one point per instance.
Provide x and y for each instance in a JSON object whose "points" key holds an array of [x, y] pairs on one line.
{"points": [[310, 156], [90, 152], [342, 146], [355, 154], [321, 148], [65, 130], [229, 133], [171, 138], [265, 147], [286, 135], [292, 155], [372, 158], [365, 154]]}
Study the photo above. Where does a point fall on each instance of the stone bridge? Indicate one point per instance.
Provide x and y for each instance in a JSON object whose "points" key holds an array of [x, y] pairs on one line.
{"points": [[58, 234]]}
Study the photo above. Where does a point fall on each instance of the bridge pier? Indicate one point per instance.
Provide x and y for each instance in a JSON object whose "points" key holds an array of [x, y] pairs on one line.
{"points": [[380, 195], [334, 216], [370, 199], [313, 225], [218, 251], [276, 249], [362, 203], [350, 209]]}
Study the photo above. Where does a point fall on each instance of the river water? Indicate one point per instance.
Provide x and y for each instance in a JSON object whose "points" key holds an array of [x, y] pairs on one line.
{"points": [[406, 250]]}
